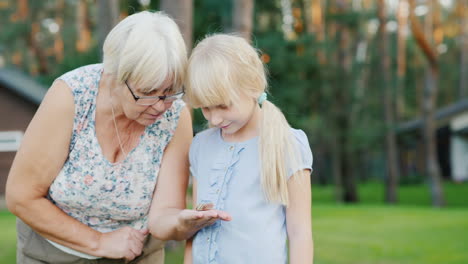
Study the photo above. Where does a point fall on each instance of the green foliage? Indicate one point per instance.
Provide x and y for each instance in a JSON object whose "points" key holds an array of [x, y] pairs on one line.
{"points": [[211, 16], [372, 193], [71, 62], [326, 99]]}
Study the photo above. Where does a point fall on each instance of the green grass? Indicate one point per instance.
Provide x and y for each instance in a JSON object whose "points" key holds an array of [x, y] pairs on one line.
{"points": [[389, 235], [456, 194], [7, 238], [368, 233]]}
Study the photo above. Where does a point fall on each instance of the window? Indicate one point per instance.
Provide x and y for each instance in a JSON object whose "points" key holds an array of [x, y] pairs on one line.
{"points": [[10, 140]]}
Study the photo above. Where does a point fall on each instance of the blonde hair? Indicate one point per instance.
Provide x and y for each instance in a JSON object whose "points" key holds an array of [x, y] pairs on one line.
{"points": [[148, 49], [221, 68]]}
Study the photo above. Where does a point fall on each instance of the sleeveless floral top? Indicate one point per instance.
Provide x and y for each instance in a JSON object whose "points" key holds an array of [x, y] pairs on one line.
{"points": [[103, 195]]}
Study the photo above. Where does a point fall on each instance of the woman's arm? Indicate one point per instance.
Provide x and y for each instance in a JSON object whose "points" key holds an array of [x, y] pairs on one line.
{"points": [[38, 161], [299, 219], [168, 220]]}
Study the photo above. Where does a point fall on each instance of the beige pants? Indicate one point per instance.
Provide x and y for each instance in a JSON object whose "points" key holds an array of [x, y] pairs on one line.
{"points": [[32, 248]]}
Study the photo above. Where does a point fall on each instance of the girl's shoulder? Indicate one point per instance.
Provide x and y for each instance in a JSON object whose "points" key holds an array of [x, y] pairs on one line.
{"points": [[303, 147], [206, 135], [300, 136], [205, 141]]}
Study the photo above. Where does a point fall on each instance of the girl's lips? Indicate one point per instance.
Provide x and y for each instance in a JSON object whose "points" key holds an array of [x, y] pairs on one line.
{"points": [[225, 126]]}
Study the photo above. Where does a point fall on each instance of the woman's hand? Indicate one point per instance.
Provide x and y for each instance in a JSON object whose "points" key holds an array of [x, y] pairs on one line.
{"points": [[126, 243]]}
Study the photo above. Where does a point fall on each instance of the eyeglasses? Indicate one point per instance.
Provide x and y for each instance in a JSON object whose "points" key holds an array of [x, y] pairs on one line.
{"points": [[151, 100]]}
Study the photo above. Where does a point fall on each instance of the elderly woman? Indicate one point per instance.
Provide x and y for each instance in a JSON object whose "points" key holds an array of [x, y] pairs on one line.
{"points": [[104, 161]]}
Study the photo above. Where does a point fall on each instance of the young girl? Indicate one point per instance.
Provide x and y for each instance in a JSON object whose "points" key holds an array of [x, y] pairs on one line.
{"points": [[250, 164]]}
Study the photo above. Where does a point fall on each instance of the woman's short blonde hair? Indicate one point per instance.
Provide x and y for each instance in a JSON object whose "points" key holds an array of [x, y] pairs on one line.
{"points": [[148, 49]]}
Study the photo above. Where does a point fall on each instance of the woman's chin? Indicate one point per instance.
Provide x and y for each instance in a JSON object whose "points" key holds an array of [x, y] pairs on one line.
{"points": [[149, 120]]}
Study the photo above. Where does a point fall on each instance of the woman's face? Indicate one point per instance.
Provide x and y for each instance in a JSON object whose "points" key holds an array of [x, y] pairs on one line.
{"points": [[145, 111]]}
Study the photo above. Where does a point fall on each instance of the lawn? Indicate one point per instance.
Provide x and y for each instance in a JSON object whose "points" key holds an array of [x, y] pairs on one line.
{"points": [[368, 233]]}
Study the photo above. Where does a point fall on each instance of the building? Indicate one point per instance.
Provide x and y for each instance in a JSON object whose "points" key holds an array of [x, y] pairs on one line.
{"points": [[20, 97], [452, 143]]}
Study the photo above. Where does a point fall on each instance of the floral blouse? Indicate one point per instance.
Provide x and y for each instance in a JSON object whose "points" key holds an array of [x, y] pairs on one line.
{"points": [[103, 195]]}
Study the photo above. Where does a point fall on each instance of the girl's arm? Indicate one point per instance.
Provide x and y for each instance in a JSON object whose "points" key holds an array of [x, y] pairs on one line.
{"points": [[299, 219], [39, 160], [168, 220], [188, 252]]}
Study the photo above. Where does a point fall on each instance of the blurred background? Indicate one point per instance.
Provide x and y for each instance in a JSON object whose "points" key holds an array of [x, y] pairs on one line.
{"points": [[379, 86]]}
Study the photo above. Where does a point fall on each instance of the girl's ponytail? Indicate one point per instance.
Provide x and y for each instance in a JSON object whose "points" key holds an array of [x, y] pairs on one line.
{"points": [[277, 155]]}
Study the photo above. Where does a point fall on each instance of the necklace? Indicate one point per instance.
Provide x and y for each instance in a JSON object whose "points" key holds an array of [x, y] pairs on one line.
{"points": [[115, 126]]}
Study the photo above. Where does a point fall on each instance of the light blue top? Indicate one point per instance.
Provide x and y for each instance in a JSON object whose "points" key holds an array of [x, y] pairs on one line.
{"points": [[228, 175]]}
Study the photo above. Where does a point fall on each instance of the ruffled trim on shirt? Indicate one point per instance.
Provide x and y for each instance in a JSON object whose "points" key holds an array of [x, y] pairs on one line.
{"points": [[219, 178]]}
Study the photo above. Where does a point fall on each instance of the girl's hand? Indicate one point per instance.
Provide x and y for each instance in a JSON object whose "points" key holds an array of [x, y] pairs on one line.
{"points": [[193, 220], [126, 243]]}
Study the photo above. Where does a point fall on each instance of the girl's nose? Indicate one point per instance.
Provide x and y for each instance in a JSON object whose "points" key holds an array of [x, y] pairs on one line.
{"points": [[216, 120]]}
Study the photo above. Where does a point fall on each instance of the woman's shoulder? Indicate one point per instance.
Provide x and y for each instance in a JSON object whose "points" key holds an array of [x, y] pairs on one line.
{"points": [[174, 111], [84, 76], [170, 120], [80, 72]]}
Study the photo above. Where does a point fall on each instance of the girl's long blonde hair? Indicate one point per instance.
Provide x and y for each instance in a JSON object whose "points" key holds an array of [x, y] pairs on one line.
{"points": [[221, 68]]}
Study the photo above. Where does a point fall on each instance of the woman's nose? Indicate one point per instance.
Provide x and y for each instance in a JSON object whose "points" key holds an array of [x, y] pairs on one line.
{"points": [[160, 106]]}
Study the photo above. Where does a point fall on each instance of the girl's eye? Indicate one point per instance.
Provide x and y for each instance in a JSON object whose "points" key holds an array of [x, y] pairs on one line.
{"points": [[222, 106]]}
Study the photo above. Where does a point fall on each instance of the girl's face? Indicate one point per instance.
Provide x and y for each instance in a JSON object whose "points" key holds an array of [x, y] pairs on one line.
{"points": [[233, 119]]}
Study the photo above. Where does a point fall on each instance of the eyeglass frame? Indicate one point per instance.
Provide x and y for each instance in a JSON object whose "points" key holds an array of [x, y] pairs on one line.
{"points": [[159, 97]]}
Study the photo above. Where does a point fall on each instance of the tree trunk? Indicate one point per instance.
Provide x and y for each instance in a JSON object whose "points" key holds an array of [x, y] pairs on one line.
{"points": [[243, 12], [32, 39], [339, 118], [22, 11], [402, 17], [463, 90], [83, 28], [182, 12], [428, 108], [429, 131], [336, 162], [108, 17], [288, 20], [58, 41], [342, 120], [387, 96], [316, 26]]}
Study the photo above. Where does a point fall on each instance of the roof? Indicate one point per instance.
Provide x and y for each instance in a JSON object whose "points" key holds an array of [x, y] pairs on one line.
{"points": [[22, 84], [443, 115]]}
